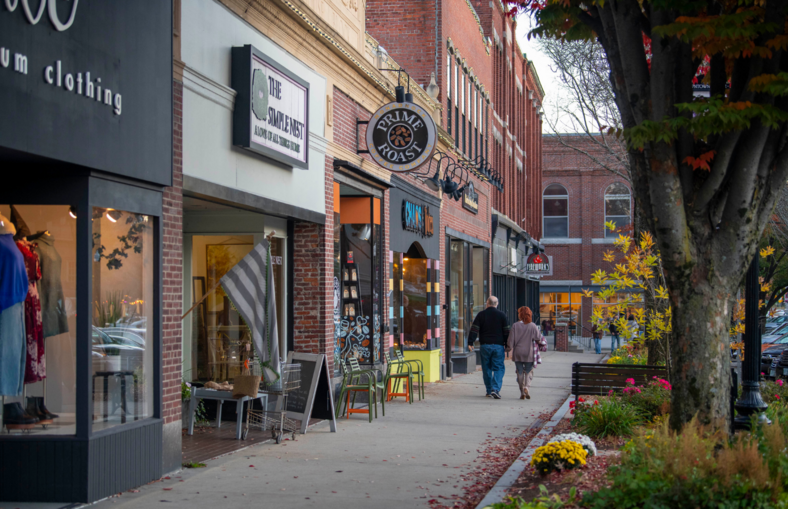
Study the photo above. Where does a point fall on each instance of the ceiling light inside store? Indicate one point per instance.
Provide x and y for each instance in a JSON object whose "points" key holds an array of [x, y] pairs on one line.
{"points": [[365, 232], [113, 215]]}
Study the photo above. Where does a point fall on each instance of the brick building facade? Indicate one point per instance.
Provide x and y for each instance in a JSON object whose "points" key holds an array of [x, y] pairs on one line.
{"points": [[490, 97], [578, 196]]}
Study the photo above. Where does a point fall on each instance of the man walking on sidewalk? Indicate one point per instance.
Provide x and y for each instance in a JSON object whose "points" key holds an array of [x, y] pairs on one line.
{"points": [[492, 329]]}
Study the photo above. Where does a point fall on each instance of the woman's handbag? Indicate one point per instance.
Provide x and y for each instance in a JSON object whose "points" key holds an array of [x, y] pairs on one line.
{"points": [[542, 344]]}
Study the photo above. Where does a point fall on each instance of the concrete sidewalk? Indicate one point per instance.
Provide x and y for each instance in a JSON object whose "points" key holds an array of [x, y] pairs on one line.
{"points": [[401, 460]]}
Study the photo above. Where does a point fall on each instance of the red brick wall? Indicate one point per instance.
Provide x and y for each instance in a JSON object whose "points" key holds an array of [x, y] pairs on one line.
{"points": [[585, 182], [406, 28], [313, 280], [172, 260]]}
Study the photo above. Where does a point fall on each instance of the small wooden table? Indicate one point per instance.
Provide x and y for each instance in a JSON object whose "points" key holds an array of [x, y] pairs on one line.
{"points": [[221, 397]]}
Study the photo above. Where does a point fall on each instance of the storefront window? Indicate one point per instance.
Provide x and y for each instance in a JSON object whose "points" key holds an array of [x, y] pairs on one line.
{"points": [[557, 308], [39, 326], [621, 303], [414, 303], [480, 281], [123, 325], [457, 320]]}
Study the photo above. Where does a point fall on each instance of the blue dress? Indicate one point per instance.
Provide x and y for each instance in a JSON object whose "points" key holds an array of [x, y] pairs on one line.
{"points": [[13, 290]]}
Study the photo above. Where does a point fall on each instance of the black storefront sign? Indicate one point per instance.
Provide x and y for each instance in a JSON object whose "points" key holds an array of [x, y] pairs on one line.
{"points": [[88, 82], [271, 115], [417, 218], [86, 130], [470, 199], [401, 136], [538, 264], [401, 237]]}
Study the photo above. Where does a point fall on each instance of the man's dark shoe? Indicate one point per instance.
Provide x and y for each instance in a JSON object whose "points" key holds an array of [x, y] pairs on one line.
{"points": [[488, 396], [496, 395]]}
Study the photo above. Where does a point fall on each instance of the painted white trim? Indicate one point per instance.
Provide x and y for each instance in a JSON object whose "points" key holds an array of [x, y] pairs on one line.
{"points": [[603, 241], [562, 282], [206, 87], [559, 241]]}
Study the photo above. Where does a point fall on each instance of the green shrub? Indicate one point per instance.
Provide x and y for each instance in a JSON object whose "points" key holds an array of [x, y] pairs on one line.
{"points": [[611, 417], [775, 392], [698, 468], [651, 400]]}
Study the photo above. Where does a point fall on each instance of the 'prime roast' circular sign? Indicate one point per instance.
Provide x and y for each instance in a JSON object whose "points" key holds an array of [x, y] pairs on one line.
{"points": [[401, 137]]}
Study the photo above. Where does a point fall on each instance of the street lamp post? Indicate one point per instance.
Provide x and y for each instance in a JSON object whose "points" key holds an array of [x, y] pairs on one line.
{"points": [[750, 401]]}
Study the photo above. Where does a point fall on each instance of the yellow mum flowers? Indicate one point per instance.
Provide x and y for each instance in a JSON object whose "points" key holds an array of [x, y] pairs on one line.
{"points": [[558, 456]]}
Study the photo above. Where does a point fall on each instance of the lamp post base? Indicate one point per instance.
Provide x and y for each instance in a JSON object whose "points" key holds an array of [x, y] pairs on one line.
{"points": [[750, 403]]}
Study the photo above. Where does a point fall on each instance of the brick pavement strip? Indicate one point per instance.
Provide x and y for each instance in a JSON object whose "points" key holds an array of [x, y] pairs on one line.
{"points": [[415, 453]]}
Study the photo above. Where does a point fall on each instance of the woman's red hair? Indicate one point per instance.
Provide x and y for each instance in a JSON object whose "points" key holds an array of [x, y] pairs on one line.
{"points": [[525, 314]]}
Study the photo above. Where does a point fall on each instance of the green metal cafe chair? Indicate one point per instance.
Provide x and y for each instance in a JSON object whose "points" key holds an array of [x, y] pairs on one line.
{"points": [[396, 376], [418, 370], [352, 381]]}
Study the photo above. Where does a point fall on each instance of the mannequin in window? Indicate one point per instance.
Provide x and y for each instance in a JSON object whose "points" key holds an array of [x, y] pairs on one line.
{"points": [[13, 291]]}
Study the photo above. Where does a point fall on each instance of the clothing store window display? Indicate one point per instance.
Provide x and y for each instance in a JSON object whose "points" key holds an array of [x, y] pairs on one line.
{"points": [[525, 342], [33, 310]]}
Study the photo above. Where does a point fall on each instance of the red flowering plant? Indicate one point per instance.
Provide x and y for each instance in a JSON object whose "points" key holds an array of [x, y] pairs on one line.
{"points": [[774, 393], [584, 403], [651, 400]]}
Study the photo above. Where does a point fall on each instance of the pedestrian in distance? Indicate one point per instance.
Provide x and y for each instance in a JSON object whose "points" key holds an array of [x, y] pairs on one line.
{"points": [[633, 326], [524, 341], [597, 333], [615, 339], [492, 328]]}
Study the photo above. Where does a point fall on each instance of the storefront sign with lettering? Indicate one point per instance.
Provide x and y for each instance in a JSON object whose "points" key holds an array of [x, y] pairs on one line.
{"points": [[401, 137], [538, 264], [271, 114], [470, 199], [417, 218]]}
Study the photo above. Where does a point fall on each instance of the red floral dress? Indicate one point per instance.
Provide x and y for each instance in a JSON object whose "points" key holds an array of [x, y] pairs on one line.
{"points": [[35, 366]]}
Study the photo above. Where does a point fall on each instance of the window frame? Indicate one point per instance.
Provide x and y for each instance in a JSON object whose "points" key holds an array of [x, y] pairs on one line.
{"points": [[544, 217], [605, 232]]}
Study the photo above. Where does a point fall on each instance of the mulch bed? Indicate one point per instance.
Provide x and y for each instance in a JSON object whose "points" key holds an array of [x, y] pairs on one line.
{"points": [[591, 477]]}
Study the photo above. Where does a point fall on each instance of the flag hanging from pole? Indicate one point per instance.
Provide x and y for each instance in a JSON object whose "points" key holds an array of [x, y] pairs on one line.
{"points": [[250, 287]]}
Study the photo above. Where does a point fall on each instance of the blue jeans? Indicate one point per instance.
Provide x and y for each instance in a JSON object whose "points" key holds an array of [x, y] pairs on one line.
{"points": [[492, 367], [598, 345], [615, 340]]}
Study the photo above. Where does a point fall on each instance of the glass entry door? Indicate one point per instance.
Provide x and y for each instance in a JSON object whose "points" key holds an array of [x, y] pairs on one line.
{"points": [[468, 290]]}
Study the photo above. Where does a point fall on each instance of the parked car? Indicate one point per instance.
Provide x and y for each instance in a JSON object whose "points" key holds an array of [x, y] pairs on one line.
{"points": [[773, 323], [770, 360], [774, 337], [105, 344]]}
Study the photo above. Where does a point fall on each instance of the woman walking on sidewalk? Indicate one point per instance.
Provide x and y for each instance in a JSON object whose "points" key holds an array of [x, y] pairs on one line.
{"points": [[523, 337]]}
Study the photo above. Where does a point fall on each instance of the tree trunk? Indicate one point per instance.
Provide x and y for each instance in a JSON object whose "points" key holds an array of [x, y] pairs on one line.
{"points": [[700, 355]]}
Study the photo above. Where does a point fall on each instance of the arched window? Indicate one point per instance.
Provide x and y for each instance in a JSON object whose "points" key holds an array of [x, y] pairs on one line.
{"points": [[555, 211], [617, 208]]}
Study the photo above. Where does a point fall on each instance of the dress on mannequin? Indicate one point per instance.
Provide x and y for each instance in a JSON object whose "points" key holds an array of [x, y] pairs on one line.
{"points": [[35, 369], [13, 290], [50, 288]]}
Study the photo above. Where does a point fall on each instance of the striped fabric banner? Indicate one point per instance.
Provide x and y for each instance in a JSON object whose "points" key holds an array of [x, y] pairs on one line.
{"points": [[250, 287]]}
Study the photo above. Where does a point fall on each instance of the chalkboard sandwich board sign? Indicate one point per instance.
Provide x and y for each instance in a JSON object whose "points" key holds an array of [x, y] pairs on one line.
{"points": [[314, 398]]}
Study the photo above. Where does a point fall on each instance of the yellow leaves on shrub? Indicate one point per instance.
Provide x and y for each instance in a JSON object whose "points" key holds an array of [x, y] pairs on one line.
{"points": [[767, 251]]}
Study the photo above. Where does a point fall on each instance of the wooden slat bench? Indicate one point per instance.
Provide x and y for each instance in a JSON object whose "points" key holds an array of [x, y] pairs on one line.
{"points": [[590, 379]]}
